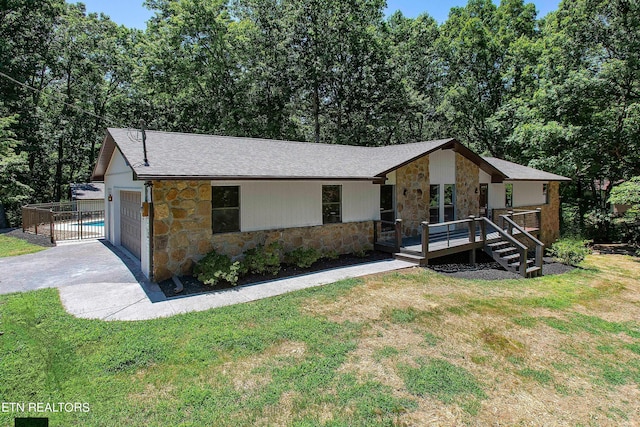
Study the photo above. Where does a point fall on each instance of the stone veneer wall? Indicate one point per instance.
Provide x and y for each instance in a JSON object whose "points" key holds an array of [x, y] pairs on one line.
{"points": [[181, 226], [413, 207], [549, 215], [467, 185], [343, 238]]}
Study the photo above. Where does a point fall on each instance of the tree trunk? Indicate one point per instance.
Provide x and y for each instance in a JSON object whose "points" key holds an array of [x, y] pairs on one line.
{"points": [[3, 218]]}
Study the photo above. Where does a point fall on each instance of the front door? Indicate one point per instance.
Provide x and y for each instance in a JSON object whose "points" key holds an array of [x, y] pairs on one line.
{"points": [[484, 200]]}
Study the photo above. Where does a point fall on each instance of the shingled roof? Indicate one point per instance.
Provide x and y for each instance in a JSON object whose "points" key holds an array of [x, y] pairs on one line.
{"points": [[174, 155], [517, 172]]}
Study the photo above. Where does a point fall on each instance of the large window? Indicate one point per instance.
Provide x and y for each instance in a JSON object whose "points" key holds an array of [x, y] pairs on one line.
{"points": [[225, 209], [331, 204], [387, 206], [434, 203], [449, 202], [508, 195]]}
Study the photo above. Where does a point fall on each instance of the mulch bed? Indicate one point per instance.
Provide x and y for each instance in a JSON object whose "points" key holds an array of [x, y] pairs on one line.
{"points": [[486, 268], [29, 237], [194, 286]]}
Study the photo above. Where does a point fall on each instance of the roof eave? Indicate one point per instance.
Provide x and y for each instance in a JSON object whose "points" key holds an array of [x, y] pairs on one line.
{"points": [[152, 177]]}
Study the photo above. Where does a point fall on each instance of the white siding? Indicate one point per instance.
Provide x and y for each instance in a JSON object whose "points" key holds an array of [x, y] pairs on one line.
{"points": [[485, 178], [496, 196], [120, 177], [527, 193], [266, 205], [442, 167]]}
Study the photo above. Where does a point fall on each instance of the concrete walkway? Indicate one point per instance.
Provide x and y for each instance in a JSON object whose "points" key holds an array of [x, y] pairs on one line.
{"points": [[99, 281]]}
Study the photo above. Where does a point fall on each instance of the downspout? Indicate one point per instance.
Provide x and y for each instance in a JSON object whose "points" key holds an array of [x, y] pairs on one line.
{"points": [[148, 198]]}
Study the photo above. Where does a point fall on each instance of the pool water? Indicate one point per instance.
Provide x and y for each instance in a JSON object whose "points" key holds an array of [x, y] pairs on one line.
{"points": [[96, 223]]}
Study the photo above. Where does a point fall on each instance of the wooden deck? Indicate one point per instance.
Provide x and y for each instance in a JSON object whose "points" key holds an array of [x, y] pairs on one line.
{"points": [[458, 241]]}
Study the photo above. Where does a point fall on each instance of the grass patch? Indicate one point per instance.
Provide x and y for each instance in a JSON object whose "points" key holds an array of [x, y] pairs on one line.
{"points": [[11, 246], [287, 361], [508, 347], [543, 377], [384, 353], [441, 379]]}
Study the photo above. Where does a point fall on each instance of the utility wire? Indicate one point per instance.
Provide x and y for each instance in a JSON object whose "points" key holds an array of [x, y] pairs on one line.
{"points": [[106, 119]]}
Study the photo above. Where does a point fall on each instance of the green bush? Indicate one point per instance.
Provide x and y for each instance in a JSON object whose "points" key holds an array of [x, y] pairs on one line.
{"points": [[569, 250], [301, 257], [215, 267], [262, 259], [331, 255]]}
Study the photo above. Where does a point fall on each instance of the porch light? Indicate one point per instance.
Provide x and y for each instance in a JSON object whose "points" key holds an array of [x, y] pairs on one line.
{"points": [[110, 198]]}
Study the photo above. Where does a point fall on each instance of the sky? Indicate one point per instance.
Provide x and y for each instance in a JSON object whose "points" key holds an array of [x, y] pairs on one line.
{"points": [[131, 13]]}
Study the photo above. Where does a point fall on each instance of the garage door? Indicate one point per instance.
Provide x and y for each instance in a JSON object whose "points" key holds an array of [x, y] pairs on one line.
{"points": [[130, 221]]}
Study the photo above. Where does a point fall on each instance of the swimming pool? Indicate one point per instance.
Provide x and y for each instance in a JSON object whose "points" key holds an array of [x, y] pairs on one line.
{"points": [[95, 223]]}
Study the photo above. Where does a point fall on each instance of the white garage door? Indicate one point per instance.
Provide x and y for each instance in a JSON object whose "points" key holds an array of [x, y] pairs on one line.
{"points": [[130, 220]]}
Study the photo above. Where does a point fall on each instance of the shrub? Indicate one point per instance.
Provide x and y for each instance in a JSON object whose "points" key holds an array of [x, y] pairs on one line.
{"points": [[569, 250], [301, 257], [331, 255], [215, 267], [262, 259]]}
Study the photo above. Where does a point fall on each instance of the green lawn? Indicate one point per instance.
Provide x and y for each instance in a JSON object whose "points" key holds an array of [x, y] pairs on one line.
{"points": [[10, 246], [405, 348]]}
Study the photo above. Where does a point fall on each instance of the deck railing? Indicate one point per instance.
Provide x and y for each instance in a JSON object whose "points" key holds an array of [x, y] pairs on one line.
{"points": [[529, 220], [539, 246]]}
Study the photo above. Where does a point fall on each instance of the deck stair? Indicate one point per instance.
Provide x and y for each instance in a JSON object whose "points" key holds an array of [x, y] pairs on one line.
{"points": [[512, 245], [510, 257]]}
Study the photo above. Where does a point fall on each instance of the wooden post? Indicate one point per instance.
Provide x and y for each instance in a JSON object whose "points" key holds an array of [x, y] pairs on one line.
{"points": [[375, 232], [425, 240], [509, 226], [539, 219], [472, 239], [398, 234], [483, 229], [52, 227], [523, 262]]}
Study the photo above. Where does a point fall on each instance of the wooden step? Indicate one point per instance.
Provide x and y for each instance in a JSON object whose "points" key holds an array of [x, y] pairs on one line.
{"points": [[534, 271], [505, 251], [511, 257], [416, 259], [498, 244]]}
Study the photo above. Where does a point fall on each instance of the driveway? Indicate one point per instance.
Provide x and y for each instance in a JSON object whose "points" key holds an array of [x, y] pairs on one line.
{"points": [[98, 281], [66, 265]]}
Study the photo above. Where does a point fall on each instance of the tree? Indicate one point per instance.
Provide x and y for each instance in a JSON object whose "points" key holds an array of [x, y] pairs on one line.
{"points": [[12, 166]]}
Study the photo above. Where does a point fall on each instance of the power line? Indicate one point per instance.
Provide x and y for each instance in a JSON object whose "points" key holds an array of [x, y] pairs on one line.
{"points": [[106, 119]]}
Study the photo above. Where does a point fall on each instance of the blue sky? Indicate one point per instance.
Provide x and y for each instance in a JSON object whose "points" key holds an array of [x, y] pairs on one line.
{"points": [[132, 13]]}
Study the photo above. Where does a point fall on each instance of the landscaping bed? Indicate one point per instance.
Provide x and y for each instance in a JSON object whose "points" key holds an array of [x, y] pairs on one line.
{"points": [[486, 268], [194, 286]]}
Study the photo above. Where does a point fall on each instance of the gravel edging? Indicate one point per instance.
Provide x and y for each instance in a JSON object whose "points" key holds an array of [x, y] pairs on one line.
{"points": [[34, 239]]}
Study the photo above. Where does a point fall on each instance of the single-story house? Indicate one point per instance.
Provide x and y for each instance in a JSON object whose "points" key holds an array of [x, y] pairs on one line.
{"points": [[173, 197]]}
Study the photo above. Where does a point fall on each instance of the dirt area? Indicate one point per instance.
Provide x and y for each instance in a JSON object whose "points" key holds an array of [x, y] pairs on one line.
{"points": [[29, 237]]}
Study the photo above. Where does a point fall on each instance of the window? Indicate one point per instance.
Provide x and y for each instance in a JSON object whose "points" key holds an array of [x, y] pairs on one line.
{"points": [[331, 204], [449, 202], [545, 193], [225, 209], [508, 195], [434, 203], [387, 206]]}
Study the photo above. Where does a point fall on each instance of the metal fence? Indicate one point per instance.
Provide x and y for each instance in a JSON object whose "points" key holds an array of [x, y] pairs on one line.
{"points": [[74, 220]]}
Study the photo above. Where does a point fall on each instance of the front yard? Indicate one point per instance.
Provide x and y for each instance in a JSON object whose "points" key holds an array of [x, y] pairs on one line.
{"points": [[407, 348]]}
